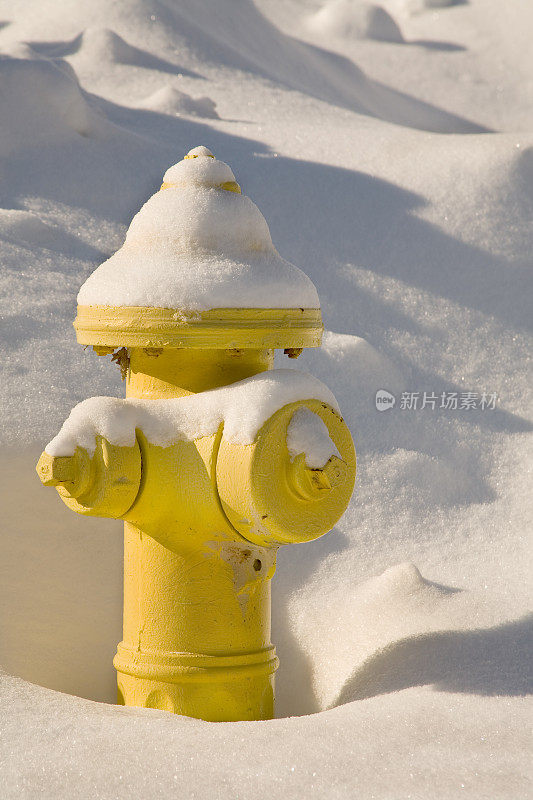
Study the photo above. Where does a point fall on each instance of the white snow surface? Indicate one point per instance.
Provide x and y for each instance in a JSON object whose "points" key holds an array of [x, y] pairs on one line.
{"points": [[355, 20], [242, 408], [307, 433], [169, 100], [194, 245], [398, 174]]}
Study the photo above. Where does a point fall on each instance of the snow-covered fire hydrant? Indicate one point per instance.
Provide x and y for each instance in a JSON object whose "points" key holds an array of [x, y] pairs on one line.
{"points": [[214, 459]]}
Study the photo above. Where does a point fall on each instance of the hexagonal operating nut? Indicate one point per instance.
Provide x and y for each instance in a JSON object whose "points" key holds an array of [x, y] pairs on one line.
{"points": [[73, 473], [312, 483], [56, 470], [330, 476]]}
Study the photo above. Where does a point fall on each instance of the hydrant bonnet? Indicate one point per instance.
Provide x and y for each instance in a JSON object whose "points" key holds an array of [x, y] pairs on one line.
{"points": [[199, 269]]}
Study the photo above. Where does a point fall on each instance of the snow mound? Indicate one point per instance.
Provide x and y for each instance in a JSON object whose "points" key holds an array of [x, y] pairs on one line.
{"points": [[41, 100], [416, 744], [364, 362], [420, 245], [169, 100], [102, 45], [220, 37], [242, 407], [195, 245], [384, 608], [350, 19]]}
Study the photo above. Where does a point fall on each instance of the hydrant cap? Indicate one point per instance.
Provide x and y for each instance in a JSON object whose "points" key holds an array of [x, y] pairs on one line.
{"points": [[200, 167], [198, 268], [199, 151]]}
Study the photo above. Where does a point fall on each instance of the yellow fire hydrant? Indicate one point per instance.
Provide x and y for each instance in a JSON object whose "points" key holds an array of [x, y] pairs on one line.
{"points": [[214, 459]]}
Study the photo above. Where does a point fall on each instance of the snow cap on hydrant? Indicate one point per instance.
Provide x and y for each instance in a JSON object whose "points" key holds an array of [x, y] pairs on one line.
{"points": [[215, 459], [199, 254]]}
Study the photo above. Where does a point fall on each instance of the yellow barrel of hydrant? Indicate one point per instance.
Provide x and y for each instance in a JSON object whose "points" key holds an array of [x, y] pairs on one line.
{"points": [[196, 635]]}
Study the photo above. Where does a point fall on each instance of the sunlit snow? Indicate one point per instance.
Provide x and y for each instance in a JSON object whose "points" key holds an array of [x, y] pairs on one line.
{"points": [[388, 147]]}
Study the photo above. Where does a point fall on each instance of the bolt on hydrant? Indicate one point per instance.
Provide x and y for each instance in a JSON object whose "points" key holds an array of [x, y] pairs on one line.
{"points": [[214, 459]]}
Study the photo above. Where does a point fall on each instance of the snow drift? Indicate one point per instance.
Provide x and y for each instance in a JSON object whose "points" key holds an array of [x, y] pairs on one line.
{"points": [[374, 167]]}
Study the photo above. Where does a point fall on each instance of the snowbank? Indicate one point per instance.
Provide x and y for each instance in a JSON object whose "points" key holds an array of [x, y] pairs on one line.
{"points": [[41, 100], [420, 246], [64, 747]]}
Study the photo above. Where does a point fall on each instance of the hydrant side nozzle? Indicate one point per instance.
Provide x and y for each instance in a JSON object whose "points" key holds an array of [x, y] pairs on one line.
{"points": [[273, 499], [102, 485]]}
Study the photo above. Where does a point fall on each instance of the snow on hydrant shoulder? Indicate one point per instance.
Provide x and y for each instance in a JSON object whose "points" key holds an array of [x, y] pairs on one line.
{"points": [[214, 459], [241, 408]]}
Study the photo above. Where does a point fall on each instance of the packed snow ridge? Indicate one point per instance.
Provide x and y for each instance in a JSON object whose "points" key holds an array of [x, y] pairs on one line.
{"points": [[349, 20], [242, 407], [169, 100], [197, 245]]}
